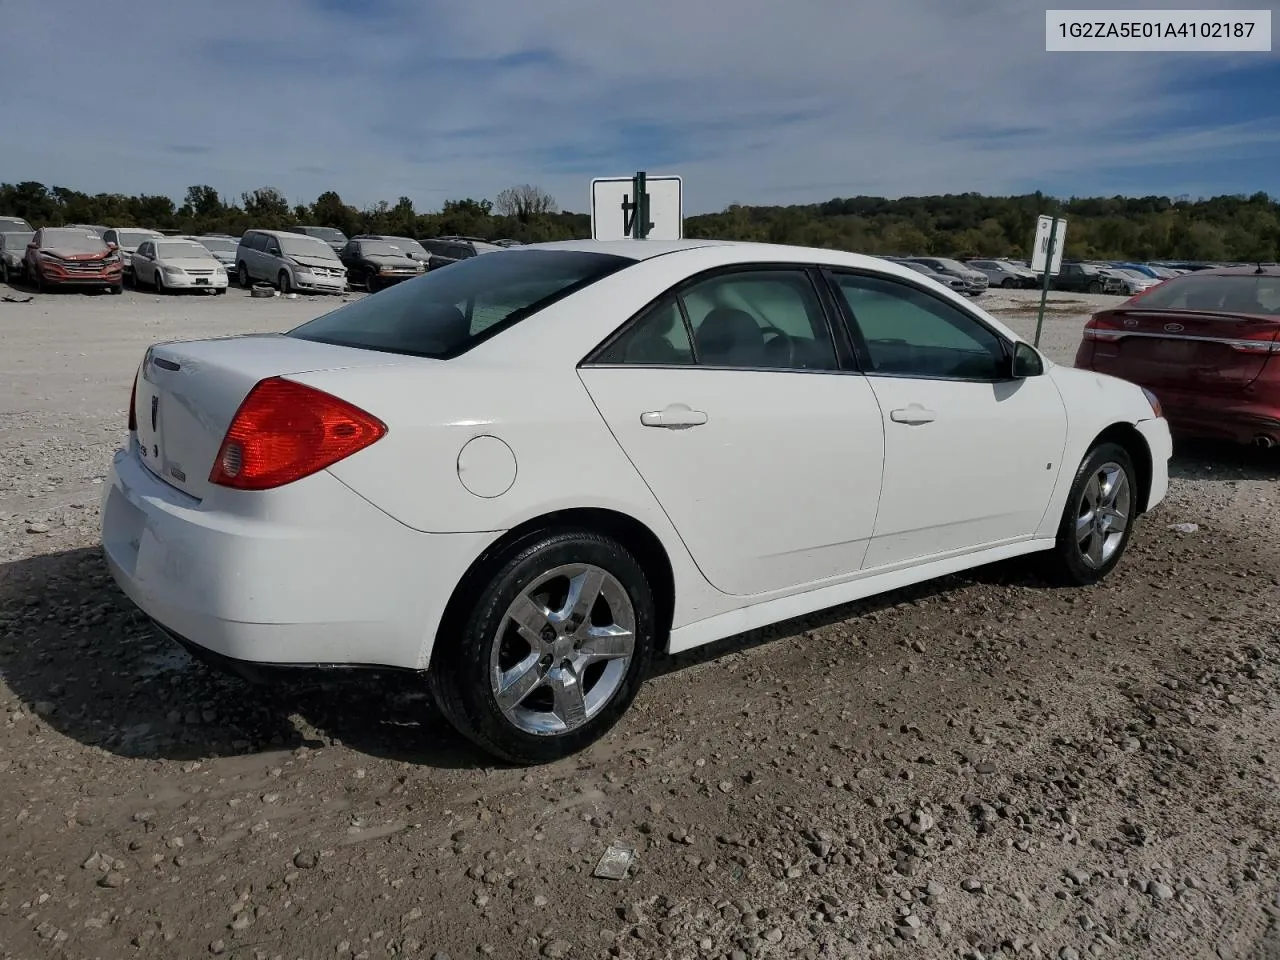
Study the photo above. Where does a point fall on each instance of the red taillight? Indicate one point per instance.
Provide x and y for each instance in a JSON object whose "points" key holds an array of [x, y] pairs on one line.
{"points": [[285, 431], [1261, 342], [133, 405], [1102, 327]]}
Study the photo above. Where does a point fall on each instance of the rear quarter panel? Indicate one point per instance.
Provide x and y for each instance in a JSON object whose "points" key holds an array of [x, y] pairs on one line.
{"points": [[565, 456]]}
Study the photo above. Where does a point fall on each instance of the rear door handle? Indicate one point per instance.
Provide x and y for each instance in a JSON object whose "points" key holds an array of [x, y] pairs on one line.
{"points": [[675, 416], [912, 414]]}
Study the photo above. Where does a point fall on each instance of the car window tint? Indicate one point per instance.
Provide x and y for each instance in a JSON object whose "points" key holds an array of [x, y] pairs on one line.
{"points": [[766, 318], [657, 337], [910, 333], [445, 312], [1231, 293]]}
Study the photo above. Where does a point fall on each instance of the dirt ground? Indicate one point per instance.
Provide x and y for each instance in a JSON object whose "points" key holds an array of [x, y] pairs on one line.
{"points": [[980, 767]]}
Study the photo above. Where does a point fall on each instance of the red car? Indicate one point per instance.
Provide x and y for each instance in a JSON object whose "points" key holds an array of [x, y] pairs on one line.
{"points": [[1207, 344], [73, 256]]}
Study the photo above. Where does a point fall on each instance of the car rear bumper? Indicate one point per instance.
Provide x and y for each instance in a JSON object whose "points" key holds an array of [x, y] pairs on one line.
{"points": [[324, 578], [1232, 418]]}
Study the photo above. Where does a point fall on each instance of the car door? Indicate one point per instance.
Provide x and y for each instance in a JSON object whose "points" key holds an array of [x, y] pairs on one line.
{"points": [[971, 455], [742, 413], [144, 269]]}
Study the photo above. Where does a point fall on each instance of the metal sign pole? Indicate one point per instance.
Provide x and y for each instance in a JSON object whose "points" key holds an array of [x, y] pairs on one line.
{"points": [[1044, 287], [640, 212]]}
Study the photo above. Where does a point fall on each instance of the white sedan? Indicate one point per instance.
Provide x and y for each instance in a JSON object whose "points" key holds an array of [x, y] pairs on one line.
{"points": [[523, 475], [171, 265]]}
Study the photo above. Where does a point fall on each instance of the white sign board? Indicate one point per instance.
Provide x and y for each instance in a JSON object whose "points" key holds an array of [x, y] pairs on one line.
{"points": [[1040, 249], [611, 208]]}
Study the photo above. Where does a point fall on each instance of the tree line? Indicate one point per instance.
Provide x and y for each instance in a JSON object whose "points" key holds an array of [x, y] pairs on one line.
{"points": [[1234, 227]]}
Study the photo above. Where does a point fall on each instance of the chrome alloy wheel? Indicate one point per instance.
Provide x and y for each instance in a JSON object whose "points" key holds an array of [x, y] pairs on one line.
{"points": [[1103, 514], [563, 649]]}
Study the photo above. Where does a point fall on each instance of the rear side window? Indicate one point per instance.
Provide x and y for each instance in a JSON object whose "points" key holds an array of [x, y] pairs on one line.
{"points": [[446, 312]]}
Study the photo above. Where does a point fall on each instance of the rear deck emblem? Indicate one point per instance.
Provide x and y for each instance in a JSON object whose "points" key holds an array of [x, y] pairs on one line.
{"points": [[1173, 327]]}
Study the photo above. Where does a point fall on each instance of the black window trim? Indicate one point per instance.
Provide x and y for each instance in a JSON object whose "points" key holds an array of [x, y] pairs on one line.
{"points": [[832, 271], [846, 362]]}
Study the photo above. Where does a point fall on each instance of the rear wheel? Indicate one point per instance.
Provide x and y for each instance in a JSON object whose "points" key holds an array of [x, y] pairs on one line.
{"points": [[1009, 282], [1098, 519], [553, 650]]}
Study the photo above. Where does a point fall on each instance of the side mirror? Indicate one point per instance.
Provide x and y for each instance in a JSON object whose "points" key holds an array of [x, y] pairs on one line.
{"points": [[1026, 361], [112, 245]]}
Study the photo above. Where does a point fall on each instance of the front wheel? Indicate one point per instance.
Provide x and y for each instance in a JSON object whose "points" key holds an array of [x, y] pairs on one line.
{"points": [[1099, 516], [1009, 282], [283, 282], [553, 650]]}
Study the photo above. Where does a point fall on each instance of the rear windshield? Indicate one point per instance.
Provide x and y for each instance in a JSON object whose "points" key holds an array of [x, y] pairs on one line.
{"points": [[449, 310], [1229, 293]]}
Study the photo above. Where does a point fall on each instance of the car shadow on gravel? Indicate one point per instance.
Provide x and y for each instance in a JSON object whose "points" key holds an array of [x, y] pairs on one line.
{"points": [[79, 655], [1209, 460]]}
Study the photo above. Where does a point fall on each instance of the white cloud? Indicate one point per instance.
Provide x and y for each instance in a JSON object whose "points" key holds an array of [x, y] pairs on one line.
{"points": [[750, 101]]}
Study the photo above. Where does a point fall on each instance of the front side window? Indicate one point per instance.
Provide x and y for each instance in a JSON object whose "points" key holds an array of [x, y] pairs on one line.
{"points": [[446, 312], [909, 333]]}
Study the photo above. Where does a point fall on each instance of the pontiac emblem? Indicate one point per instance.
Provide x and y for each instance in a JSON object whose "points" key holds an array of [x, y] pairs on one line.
{"points": [[155, 409], [1173, 328]]}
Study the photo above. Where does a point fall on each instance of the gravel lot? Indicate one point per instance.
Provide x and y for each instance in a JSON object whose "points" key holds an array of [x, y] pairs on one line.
{"points": [[981, 767]]}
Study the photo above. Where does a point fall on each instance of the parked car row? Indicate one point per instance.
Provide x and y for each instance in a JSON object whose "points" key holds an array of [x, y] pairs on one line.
{"points": [[311, 259]]}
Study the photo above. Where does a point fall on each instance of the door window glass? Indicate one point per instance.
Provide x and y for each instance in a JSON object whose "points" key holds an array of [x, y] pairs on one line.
{"points": [[658, 337], [765, 318], [910, 333]]}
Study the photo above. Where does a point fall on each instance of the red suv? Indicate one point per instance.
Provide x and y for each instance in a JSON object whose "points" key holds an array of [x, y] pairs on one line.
{"points": [[1207, 344], [73, 256]]}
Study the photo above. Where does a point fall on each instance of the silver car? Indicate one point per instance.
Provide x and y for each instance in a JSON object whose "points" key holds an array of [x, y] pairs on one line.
{"points": [[128, 239], [975, 282], [1002, 273], [289, 261], [955, 283]]}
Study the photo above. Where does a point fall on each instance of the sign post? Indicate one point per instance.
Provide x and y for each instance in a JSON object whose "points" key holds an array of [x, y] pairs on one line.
{"points": [[639, 207], [1046, 255]]}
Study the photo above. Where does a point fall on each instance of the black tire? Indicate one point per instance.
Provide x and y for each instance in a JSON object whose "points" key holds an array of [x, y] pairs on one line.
{"points": [[1009, 282], [371, 282], [242, 276], [117, 289], [159, 278], [4, 272], [221, 291], [1095, 287], [37, 281], [460, 672], [1068, 563], [282, 282]]}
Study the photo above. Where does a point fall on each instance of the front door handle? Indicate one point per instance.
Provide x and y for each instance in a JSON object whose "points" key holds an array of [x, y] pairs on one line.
{"points": [[913, 414], [675, 416]]}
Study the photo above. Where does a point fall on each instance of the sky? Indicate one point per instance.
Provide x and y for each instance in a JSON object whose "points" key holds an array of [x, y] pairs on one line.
{"points": [[749, 101]]}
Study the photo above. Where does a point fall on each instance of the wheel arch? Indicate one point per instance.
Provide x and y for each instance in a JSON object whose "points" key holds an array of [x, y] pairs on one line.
{"points": [[1135, 444], [643, 543]]}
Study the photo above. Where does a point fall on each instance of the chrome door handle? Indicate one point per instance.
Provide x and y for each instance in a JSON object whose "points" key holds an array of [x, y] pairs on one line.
{"points": [[912, 414], [676, 416]]}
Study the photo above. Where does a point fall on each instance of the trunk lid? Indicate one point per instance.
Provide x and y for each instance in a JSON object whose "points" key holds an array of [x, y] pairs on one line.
{"points": [[1211, 353], [188, 393]]}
